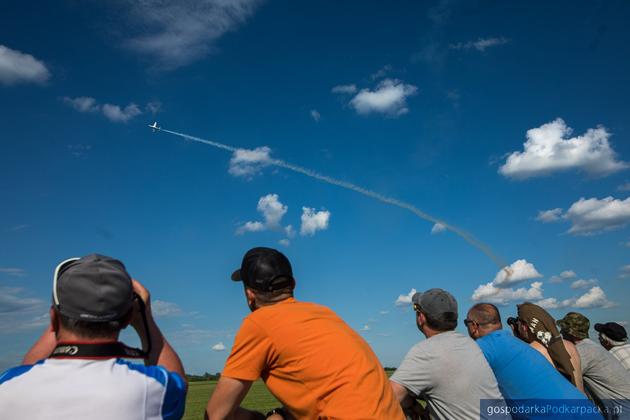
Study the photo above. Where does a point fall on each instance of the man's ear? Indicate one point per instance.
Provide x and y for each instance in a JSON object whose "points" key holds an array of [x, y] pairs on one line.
{"points": [[249, 293], [54, 320]]}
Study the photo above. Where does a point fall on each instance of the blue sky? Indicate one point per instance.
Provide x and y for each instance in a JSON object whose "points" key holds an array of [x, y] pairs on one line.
{"points": [[509, 121]]}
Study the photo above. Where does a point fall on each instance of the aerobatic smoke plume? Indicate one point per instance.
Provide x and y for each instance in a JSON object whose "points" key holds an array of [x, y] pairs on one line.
{"points": [[379, 197]]}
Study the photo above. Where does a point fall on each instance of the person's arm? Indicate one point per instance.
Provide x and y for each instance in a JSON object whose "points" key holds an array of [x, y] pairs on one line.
{"points": [[407, 402], [576, 362], [225, 401], [162, 353], [42, 347]]}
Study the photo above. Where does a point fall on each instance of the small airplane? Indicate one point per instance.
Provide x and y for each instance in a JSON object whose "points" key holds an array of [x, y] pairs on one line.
{"points": [[154, 126]]}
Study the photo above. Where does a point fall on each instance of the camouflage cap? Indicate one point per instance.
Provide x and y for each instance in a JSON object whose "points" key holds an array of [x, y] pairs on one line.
{"points": [[574, 324]]}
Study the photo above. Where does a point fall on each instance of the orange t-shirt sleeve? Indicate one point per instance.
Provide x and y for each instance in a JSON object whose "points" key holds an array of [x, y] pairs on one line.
{"points": [[250, 353]]}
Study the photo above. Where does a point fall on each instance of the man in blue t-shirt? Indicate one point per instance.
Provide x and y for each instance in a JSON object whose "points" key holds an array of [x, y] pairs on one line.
{"points": [[523, 374]]}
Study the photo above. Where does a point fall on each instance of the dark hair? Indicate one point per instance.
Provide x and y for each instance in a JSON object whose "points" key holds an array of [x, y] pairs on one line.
{"points": [[440, 324], [486, 313], [91, 329], [268, 298]]}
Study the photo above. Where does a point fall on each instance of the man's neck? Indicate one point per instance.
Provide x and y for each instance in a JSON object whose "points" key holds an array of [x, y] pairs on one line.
{"points": [[69, 337]]}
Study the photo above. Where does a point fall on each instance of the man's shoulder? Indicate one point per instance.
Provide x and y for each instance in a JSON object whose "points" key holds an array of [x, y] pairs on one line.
{"points": [[17, 371], [158, 373]]}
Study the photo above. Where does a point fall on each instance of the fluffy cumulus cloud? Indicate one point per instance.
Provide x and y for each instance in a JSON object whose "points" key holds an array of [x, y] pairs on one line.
{"points": [[481, 44], [566, 274], [549, 216], [175, 34], [589, 216], [18, 67], [313, 221], [437, 228], [114, 113], [517, 272], [404, 300], [219, 346], [247, 163], [549, 148], [389, 97], [594, 298], [163, 308], [272, 211], [344, 89], [501, 296], [583, 284]]}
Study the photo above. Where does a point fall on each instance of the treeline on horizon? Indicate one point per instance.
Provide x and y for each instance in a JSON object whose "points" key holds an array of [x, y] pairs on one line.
{"points": [[215, 376]]}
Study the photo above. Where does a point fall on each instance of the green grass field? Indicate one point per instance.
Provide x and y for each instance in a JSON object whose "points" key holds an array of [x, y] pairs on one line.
{"points": [[259, 398]]}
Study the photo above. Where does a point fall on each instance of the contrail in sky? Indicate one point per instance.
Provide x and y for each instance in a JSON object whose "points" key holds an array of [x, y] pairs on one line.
{"points": [[349, 186]]}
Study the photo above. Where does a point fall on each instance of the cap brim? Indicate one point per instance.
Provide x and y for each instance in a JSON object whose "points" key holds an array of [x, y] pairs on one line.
{"points": [[599, 327], [236, 276]]}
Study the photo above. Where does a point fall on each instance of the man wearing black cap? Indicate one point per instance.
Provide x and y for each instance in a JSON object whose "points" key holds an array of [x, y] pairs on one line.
{"points": [[447, 369], [311, 360], [75, 370], [615, 339]]}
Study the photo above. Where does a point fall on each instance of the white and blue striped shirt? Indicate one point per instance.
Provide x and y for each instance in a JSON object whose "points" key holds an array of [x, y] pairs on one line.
{"points": [[91, 389]]}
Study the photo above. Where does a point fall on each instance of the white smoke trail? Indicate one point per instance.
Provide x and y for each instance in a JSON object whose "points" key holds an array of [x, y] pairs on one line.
{"points": [[379, 197]]}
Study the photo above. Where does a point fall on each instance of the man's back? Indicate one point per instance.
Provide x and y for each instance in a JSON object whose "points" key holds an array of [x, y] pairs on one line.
{"points": [[91, 389], [603, 374], [521, 371], [313, 362], [622, 353], [451, 372]]}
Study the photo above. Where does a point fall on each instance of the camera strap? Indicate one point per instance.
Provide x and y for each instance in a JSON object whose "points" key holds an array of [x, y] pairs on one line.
{"points": [[105, 350]]}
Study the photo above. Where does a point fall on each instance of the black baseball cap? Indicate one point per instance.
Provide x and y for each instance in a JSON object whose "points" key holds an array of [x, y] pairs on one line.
{"points": [[612, 330], [94, 288], [265, 270], [436, 303]]}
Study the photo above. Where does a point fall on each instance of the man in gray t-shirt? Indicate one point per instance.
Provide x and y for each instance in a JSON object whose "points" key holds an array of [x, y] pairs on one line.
{"points": [[606, 381], [447, 369]]}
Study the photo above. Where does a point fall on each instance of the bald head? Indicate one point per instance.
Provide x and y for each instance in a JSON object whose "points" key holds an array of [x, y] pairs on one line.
{"points": [[485, 319]]}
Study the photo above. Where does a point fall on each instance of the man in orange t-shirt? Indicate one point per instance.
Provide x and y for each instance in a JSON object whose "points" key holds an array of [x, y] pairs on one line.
{"points": [[309, 358]]}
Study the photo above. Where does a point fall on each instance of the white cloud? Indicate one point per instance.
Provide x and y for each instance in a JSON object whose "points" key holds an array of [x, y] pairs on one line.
{"points": [[384, 312], [517, 272], [112, 112], [117, 114], [389, 97], [548, 150], [272, 211], [251, 227], [284, 242], [553, 303], [625, 271], [590, 216], [381, 72], [583, 284], [366, 327], [82, 103], [18, 67], [315, 115], [480, 44], [437, 228], [548, 216], [313, 221], [490, 293], [567, 274], [594, 298], [345, 89], [219, 346], [404, 300], [163, 308], [12, 271], [178, 33], [247, 162]]}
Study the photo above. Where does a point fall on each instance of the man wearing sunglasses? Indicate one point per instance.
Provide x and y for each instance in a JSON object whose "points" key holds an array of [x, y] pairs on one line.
{"points": [[447, 369], [76, 369], [522, 372]]}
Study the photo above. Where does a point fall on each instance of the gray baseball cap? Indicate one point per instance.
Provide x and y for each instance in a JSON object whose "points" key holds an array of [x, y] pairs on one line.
{"points": [[94, 288], [437, 303]]}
